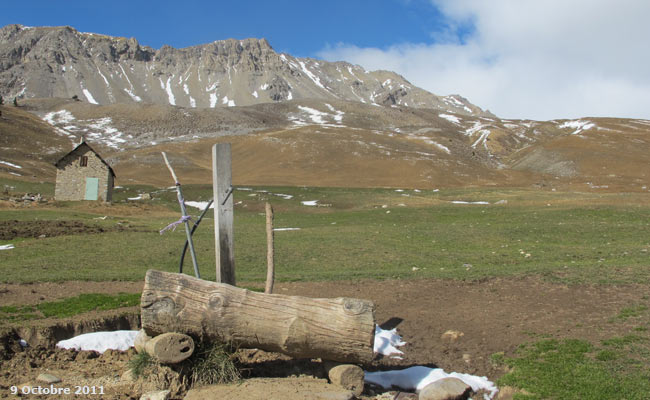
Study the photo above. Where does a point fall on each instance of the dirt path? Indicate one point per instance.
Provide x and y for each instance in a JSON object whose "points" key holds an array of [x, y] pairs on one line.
{"points": [[494, 315]]}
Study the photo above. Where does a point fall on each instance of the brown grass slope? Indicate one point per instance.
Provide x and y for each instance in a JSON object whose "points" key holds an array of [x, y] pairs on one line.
{"points": [[30, 143], [303, 143]]}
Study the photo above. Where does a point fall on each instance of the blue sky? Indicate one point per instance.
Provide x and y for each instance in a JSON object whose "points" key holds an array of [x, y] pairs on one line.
{"points": [[301, 28], [526, 59]]}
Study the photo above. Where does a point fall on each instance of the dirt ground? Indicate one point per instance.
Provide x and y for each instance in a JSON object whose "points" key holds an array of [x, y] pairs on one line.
{"points": [[11, 229], [489, 316]]}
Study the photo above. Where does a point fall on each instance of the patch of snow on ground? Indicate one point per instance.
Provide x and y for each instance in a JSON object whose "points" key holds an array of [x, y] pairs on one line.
{"points": [[482, 139], [10, 164], [284, 196], [309, 203], [578, 125], [478, 126], [451, 118], [255, 94], [213, 100], [386, 342], [89, 96], [59, 117], [133, 95], [418, 377], [315, 115], [100, 341], [469, 202], [339, 114], [311, 75], [168, 89], [6, 247], [201, 205], [105, 133], [225, 100]]}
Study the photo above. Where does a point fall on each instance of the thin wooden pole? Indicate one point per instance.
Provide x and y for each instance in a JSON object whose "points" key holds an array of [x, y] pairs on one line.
{"points": [[181, 201], [223, 213], [270, 251]]}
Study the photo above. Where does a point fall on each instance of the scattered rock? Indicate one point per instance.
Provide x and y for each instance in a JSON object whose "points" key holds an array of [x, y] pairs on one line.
{"points": [[347, 376], [158, 395], [48, 378], [128, 376], [87, 355], [451, 336], [446, 389], [467, 358]]}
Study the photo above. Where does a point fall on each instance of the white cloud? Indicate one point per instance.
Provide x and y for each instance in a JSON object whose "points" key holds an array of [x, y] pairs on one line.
{"points": [[530, 59]]}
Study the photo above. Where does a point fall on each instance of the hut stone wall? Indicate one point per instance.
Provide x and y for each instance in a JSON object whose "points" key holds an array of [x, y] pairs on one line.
{"points": [[71, 176]]}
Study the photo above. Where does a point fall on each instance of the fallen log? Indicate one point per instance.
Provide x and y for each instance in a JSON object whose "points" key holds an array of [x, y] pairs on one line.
{"points": [[340, 329]]}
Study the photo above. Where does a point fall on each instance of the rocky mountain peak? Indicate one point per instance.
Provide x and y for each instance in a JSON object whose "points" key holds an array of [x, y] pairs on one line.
{"points": [[101, 69]]}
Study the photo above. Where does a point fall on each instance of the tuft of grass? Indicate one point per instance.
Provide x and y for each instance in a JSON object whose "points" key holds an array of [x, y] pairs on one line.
{"points": [[213, 363], [140, 363], [632, 311], [88, 302], [621, 342], [569, 369], [69, 307]]}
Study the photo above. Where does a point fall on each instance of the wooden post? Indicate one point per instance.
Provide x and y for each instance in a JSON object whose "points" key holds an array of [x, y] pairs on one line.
{"points": [[339, 329], [270, 264], [223, 212]]}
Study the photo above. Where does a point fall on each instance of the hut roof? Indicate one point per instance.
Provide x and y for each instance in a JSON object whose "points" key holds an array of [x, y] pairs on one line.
{"points": [[78, 147]]}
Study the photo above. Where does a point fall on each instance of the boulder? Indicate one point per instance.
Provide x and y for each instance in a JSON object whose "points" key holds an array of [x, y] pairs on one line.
{"points": [[348, 376], [446, 389]]}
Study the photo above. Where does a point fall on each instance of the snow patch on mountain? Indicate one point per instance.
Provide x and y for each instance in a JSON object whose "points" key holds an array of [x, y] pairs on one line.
{"points": [[96, 130], [88, 95], [170, 94], [451, 118], [578, 125], [310, 116]]}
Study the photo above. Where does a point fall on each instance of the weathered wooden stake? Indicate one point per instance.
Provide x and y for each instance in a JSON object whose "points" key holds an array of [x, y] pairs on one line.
{"points": [[223, 212], [270, 252], [181, 201]]}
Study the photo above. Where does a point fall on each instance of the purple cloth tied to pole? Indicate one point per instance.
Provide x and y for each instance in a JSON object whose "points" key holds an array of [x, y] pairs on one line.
{"points": [[174, 224]]}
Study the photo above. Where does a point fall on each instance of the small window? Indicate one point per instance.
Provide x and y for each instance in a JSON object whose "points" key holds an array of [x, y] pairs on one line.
{"points": [[83, 162]]}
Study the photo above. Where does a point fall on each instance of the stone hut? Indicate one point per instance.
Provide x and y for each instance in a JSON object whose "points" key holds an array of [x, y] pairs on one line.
{"points": [[82, 174]]}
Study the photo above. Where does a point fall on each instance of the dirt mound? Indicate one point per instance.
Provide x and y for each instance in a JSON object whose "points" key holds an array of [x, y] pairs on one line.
{"points": [[13, 229]]}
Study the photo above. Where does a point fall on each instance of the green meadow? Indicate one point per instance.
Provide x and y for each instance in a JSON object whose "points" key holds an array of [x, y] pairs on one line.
{"points": [[351, 234], [360, 234]]}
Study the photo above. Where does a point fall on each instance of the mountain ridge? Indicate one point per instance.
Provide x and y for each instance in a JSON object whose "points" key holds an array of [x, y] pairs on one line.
{"points": [[62, 62]]}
